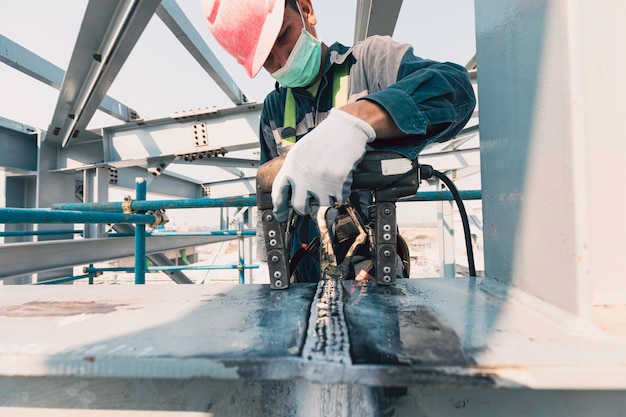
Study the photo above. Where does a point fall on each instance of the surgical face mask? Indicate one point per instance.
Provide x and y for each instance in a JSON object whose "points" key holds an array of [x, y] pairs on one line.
{"points": [[303, 63]]}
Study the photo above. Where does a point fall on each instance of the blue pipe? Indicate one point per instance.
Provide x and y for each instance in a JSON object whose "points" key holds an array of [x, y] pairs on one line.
{"points": [[40, 232], [200, 267], [34, 215], [242, 279], [172, 268], [140, 236], [91, 275], [212, 233], [137, 205]]}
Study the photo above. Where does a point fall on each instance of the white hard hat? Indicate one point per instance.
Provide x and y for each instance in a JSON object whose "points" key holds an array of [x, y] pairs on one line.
{"points": [[246, 29]]}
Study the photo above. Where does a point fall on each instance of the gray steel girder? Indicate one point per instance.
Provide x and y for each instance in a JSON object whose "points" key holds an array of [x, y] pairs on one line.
{"points": [[108, 33], [27, 258], [19, 148], [376, 17], [29, 63]]}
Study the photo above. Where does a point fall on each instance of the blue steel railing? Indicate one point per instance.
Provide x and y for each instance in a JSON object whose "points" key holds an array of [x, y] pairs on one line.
{"points": [[29, 215], [19, 233], [145, 205], [139, 212]]}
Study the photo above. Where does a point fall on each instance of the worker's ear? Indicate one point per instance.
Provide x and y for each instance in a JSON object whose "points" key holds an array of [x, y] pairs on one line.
{"points": [[308, 12]]}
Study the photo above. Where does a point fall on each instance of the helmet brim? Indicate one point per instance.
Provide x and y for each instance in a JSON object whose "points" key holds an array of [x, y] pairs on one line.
{"points": [[269, 33]]}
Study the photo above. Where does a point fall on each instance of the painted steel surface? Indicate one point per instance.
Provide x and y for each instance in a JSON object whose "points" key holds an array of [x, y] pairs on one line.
{"points": [[440, 332]]}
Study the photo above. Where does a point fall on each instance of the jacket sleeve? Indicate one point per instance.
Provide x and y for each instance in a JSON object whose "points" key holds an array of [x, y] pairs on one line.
{"points": [[415, 92], [266, 137]]}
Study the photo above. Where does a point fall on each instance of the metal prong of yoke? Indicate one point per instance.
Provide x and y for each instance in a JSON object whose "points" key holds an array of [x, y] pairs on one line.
{"points": [[276, 251], [386, 240], [390, 176], [274, 235]]}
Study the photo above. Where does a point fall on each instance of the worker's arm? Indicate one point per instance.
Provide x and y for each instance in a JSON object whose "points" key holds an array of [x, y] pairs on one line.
{"points": [[426, 100], [402, 96], [384, 126]]}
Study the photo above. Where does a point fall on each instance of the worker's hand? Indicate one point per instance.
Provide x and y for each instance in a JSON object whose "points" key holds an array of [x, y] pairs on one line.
{"points": [[318, 168]]}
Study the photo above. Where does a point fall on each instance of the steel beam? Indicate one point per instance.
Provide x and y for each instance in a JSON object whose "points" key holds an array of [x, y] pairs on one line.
{"points": [[226, 131], [108, 33], [168, 183], [29, 63], [19, 147], [376, 17], [165, 184], [23, 60], [27, 258], [460, 332], [232, 129], [204, 397], [236, 186]]}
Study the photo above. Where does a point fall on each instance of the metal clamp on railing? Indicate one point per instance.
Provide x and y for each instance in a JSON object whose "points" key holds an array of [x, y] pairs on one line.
{"points": [[160, 218], [126, 205]]}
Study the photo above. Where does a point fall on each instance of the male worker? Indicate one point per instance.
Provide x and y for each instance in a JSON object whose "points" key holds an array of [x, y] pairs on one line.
{"points": [[332, 103]]}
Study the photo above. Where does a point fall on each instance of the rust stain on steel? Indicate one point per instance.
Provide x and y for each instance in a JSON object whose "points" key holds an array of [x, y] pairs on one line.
{"points": [[57, 308]]}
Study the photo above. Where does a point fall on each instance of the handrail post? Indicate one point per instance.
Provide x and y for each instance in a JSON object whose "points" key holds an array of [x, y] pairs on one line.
{"points": [[91, 275], [240, 245], [140, 236]]}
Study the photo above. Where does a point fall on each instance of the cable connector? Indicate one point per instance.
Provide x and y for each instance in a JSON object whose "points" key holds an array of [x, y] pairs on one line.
{"points": [[426, 172]]}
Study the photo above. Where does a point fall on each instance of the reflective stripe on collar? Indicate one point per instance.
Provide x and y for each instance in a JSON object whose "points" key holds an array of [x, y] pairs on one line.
{"points": [[341, 86]]}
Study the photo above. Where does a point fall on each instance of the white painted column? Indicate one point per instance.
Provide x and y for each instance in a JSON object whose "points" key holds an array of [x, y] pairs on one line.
{"points": [[551, 92]]}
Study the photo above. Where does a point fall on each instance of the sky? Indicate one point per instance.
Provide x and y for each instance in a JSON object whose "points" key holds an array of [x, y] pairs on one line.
{"points": [[160, 78]]}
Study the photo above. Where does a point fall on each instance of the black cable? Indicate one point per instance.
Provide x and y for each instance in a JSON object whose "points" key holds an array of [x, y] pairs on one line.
{"points": [[462, 212]]}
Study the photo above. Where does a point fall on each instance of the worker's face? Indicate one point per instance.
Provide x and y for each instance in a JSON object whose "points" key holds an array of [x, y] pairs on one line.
{"points": [[289, 33]]}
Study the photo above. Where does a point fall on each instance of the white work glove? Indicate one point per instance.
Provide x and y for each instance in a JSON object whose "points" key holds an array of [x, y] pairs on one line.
{"points": [[318, 168]]}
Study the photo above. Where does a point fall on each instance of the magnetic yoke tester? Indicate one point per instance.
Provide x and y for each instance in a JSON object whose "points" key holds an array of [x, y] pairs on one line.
{"points": [[388, 176]]}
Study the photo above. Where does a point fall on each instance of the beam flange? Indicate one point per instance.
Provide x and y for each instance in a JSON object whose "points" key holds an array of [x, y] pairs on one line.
{"points": [[108, 33], [376, 17], [17, 259]]}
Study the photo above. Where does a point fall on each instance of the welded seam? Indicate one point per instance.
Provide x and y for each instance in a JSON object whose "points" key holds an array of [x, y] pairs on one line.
{"points": [[327, 337]]}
